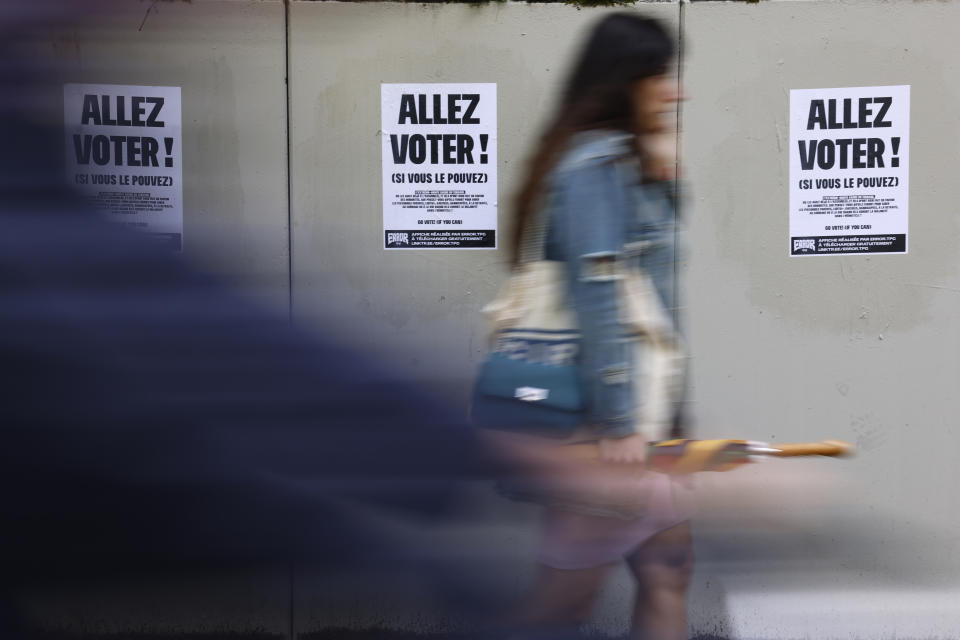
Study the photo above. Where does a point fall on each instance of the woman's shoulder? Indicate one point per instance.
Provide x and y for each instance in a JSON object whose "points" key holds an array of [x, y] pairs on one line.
{"points": [[593, 147]]}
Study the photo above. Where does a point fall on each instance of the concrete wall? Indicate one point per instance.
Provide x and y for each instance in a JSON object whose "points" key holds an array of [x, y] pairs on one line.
{"points": [[422, 307], [858, 348]]}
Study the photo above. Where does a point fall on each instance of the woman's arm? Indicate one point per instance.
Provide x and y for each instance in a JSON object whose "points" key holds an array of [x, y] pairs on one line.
{"points": [[594, 205]]}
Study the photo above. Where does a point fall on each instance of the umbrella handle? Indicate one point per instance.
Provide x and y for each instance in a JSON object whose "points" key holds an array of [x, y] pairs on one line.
{"points": [[834, 448]]}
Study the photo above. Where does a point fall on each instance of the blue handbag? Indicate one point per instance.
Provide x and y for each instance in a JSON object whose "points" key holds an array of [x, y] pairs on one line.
{"points": [[531, 380]]}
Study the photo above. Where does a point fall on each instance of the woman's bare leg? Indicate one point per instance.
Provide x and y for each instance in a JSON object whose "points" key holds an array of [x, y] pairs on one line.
{"points": [[662, 567]]}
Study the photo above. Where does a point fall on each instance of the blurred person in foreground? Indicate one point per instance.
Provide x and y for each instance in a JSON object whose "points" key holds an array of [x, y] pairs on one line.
{"points": [[153, 419], [600, 172]]}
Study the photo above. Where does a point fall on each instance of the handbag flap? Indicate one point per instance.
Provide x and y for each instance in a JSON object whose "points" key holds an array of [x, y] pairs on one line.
{"points": [[553, 386]]}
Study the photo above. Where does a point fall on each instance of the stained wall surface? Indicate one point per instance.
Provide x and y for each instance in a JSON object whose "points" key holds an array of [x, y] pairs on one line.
{"points": [[228, 58], [858, 348]]}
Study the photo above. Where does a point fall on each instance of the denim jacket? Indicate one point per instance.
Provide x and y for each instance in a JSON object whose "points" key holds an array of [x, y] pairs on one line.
{"points": [[604, 222]]}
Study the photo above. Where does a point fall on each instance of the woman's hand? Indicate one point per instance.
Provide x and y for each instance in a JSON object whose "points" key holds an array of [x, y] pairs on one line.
{"points": [[629, 450]]}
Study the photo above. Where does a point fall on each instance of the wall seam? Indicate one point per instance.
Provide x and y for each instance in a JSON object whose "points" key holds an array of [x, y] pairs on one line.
{"points": [[291, 629], [286, 81], [678, 192]]}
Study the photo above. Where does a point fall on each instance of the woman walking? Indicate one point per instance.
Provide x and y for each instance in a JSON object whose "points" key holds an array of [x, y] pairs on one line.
{"points": [[610, 218]]}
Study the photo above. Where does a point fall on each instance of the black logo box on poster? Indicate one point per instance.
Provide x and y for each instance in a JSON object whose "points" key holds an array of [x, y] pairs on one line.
{"points": [[426, 239], [879, 243]]}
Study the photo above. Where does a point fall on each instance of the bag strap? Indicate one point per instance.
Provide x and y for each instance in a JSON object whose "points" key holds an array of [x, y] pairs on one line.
{"points": [[534, 233]]}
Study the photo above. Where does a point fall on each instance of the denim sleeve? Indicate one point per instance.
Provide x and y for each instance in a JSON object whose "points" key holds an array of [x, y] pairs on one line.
{"points": [[593, 219]]}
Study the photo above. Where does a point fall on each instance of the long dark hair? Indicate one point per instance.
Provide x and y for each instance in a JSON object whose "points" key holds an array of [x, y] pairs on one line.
{"points": [[622, 48]]}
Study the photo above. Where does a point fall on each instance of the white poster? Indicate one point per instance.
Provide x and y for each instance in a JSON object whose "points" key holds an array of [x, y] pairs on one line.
{"points": [[439, 165], [849, 170], [123, 147]]}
